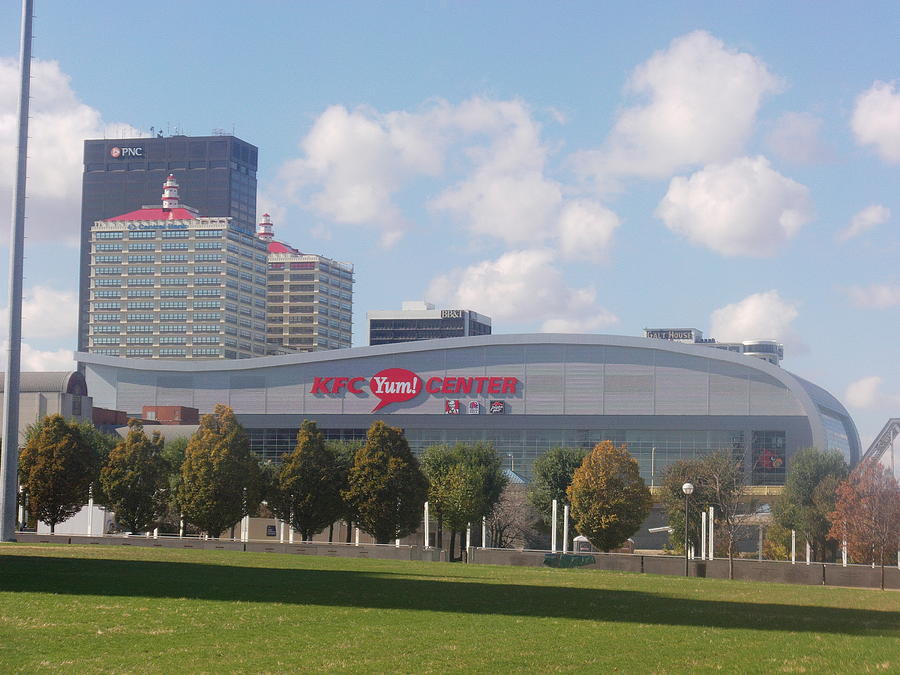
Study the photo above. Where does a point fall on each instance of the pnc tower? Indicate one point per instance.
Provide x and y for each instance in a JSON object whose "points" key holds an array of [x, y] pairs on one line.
{"points": [[217, 174]]}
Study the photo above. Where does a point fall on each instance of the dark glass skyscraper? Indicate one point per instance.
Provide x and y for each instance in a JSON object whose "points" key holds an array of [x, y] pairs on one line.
{"points": [[216, 175]]}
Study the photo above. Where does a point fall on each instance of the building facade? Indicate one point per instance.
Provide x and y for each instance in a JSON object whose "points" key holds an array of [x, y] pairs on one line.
{"points": [[166, 282], [121, 175], [309, 298], [50, 393], [525, 394], [421, 321], [768, 350]]}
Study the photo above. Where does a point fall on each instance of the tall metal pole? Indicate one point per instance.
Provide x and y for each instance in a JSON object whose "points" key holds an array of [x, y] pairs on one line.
{"points": [[9, 457], [685, 534]]}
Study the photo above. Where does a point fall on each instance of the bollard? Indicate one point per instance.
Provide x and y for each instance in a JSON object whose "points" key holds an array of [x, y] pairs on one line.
{"points": [[703, 535], [553, 529], [565, 542], [793, 547], [712, 530], [427, 527]]}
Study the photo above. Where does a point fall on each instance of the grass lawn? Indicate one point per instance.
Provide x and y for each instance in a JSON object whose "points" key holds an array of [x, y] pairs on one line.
{"points": [[119, 609]]}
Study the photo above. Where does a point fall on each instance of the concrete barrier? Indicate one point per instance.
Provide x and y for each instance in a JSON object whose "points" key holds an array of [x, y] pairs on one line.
{"points": [[860, 576]]}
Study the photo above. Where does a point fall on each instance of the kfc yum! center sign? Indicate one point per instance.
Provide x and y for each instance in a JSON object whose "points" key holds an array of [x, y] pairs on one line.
{"points": [[396, 385]]}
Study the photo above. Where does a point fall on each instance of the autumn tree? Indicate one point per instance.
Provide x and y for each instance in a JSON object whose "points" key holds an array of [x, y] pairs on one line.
{"points": [[386, 489], [56, 469], [307, 492], [867, 514], [134, 479], [609, 499], [219, 477], [809, 497], [718, 481]]}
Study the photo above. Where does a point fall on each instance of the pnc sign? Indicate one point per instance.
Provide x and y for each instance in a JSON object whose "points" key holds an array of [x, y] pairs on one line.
{"points": [[397, 385], [117, 152]]}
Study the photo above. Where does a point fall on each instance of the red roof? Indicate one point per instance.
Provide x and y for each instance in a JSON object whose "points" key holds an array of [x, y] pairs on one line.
{"points": [[177, 213], [278, 247]]}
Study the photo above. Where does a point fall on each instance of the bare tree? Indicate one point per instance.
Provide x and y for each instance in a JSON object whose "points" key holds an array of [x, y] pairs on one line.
{"points": [[724, 479], [511, 523]]}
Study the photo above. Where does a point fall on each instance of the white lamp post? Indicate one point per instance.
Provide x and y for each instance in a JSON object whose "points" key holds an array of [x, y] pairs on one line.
{"points": [[687, 489]]}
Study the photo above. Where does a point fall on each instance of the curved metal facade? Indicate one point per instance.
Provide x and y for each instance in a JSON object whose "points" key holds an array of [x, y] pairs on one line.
{"points": [[666, 400]]}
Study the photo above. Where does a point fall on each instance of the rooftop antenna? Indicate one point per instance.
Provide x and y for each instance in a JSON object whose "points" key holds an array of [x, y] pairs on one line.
{"points": [[9, 454]]}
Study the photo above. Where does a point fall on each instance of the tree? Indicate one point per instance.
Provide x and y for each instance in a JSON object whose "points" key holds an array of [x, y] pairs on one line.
{"points": [[57, 467], [344, 451], [386, 489], [553, 473], [134, 480], [608, 496], [219, 477], [808, 498], [465, 483], [307, 494], [718, 481], [511, 523], [867, 514]]}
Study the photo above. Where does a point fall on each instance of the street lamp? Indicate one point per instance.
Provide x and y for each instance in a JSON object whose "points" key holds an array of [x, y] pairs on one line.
{"points": [[687, 489], [512, 462]]}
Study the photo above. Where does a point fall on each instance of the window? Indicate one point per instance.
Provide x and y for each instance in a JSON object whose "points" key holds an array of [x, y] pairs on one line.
{"points": [[107, 305], [174, 269], [175, 234], [172, 328], [140, 282], [106, 317], [174, 246], [142, 246], [142, 234], [107, 270], [140, 317], [107, 247], [173, 293], [140, 259], [208, 234], [206, 339], [139, 352], [208, 245], [107, 352], [168, 351], [107, 294], [208, 269], [202, 328], [139, 340], [173, 304], [207, 292], [173, 317], [172, 340], [206, 351], [140, 305], [142, 269], [207, 304], [208, 257], [207, 281], [107, 258], [105, 340], [207, 316], [108, 235], [138, 329], [174, 257], [107, 282], [173, 281], [105, 329], [142, 293]]}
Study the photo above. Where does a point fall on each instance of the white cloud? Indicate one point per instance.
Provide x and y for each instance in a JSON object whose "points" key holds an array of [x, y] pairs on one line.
{"points": [[795, 138], [586, 230], [875, 296], [522, 286], [761, 316], [702, 100], [740, 208], [876, 120], [863, 393], [46, 313], [58, 126], [36, 360], [869, 217]]}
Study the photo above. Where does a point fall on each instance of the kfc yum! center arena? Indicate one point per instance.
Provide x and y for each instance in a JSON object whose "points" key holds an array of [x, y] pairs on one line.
{"points": [[524, 394]]}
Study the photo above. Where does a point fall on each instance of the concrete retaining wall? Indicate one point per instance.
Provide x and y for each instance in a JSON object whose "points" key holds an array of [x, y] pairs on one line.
{"points": [[862, 576]]}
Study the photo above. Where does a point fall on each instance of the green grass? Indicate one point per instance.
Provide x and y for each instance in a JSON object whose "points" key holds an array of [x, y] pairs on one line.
{"points": [[103, 609]]}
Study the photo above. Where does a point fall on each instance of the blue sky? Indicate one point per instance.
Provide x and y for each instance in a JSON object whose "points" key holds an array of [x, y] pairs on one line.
{"points": [[575, 166]]}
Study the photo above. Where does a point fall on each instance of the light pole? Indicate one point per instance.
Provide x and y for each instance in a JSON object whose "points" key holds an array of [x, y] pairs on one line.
{"points": [[512, 462], [687, 489]]}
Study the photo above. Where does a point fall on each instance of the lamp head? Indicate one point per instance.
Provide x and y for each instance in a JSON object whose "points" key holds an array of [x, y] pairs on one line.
{"points": [[687, 488]]}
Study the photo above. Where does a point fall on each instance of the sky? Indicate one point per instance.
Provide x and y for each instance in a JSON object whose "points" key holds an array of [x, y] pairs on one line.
{"points": [[561, 167]]}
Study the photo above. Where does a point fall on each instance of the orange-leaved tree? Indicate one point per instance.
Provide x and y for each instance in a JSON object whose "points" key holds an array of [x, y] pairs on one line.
{"points": [[867, 514], [609, 498]]}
